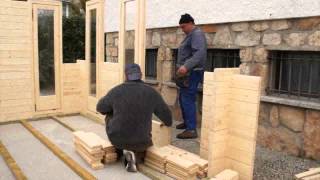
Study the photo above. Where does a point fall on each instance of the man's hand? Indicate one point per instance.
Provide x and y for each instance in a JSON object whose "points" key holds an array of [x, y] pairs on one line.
{"points": [[182, 71]]}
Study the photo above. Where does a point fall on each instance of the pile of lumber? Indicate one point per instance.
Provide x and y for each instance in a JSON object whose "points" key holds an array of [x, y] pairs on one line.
{"points": [[180, 168], [156, 159], [176, 162], [93, 149], [227, 175], [312, 174]]}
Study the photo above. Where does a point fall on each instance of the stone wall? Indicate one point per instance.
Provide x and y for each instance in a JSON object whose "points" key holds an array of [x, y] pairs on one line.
{"points": [[290, 129], [294, 130]]}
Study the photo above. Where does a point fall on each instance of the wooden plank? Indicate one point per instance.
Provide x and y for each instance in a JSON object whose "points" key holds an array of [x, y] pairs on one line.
{"points": [[246, 82], [244, 170], [244, 108], [91, 140], [13, 166], [228, 175], [241, 143], [308, 173], [242, 121], [216, 166], [183, 163], [244, 95], [240, 155], [161, 135], [249, 134], [217, 150], [313, 177]]}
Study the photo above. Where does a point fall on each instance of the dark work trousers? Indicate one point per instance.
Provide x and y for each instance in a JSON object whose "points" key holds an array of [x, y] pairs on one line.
{"points": [[187, 99]]}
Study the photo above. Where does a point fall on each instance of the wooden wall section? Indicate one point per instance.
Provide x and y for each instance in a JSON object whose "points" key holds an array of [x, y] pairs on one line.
{"points": [[230, 119], [71, 97], [109, 77], [16, 78]]}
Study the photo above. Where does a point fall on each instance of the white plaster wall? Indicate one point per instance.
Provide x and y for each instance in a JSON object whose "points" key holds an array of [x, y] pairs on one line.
{"points": [[166, 13]]}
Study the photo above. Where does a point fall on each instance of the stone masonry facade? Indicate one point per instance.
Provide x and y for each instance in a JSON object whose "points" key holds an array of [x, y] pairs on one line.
{"points": [[288, 128]]}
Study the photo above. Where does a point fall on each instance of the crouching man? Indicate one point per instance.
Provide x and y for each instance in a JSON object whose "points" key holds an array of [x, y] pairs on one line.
{"points": [[128, 109]]}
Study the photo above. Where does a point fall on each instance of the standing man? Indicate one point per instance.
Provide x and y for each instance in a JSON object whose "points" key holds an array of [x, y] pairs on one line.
{"points": [[192, 55], [129, 108]]}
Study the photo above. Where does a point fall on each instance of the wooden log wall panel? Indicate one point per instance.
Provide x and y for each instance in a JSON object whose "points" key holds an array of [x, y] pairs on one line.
{"points": [[16, 81], [230, 119], [109, 77], [71, 100]]}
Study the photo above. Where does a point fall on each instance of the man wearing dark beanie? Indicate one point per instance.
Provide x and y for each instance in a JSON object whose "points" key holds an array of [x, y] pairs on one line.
{"points": [[192, 55], [128, 108]]}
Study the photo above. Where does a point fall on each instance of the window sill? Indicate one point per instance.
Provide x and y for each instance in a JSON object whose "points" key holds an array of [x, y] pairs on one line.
{"points": [[151, 81], [291, 102]]}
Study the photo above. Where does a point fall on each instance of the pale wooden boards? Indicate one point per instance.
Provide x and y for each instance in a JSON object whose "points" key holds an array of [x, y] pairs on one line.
{"points": [[312, 174], [227, 175], [16, 83], [93, 149], [161, 134], [176, 162], [230, 119]]}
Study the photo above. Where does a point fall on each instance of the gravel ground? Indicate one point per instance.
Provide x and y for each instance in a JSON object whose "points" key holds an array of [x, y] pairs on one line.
{"points": [[269, 165], [276, 165]]}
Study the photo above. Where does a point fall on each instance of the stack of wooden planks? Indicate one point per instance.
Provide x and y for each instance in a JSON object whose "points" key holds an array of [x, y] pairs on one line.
{"points": [[93, 149], [312, 174], [156, 159], [176, 162], [180, 168]]}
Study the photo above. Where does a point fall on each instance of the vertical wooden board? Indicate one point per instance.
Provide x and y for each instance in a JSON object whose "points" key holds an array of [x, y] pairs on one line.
{"points": [[228, 174], [244, 108], [217, 150], [208, 101], [204, 136], [220, 121], [161, 134], [246, 82], [249, 134], [92, 103], [218, 136], [241, 144], [242, 121], [244, 95], [208, 89], [203, 153], [216, 166], [242, 156], [245, 171], [208, 77]]}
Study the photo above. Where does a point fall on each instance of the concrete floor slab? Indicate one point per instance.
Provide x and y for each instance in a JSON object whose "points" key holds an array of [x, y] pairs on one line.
{"points": [[85, 124], [63, 138], [5, 173], [35, 160]]}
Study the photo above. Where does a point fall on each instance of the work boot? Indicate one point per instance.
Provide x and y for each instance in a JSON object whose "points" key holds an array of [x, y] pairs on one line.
{"points": [[181, 126], [188, 134], [130, 161]]}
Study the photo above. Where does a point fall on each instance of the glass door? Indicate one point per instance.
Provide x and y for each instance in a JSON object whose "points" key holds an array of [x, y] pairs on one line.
{"points": [[94, 50], [47, 34]]}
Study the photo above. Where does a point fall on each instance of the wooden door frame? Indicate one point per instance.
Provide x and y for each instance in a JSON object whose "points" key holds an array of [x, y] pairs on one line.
{"points": [[140, 35], [99, 6], [57, 7]]}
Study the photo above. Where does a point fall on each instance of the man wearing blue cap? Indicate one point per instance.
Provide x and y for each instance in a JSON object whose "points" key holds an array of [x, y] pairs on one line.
{"points": [[128, 109], [192, 56]]}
